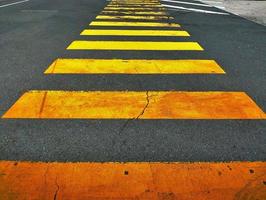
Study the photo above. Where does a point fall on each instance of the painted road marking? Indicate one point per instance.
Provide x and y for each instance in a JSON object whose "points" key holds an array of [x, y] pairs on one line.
{"points": [[135, 6], [133, 3], [140, 17], [134, 105], [14, 3], [142, 180], [116, 66], [195, 10], [134, 12], [188, 3], [148, 24], [134, 45], [135, 32], [130, 8]]}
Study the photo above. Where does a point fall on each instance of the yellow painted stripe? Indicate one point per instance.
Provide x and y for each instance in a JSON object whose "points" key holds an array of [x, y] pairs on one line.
{"points": [[135, 6], [140, 105], [135, 3], [134, 12], [116, 66], [134, 45], [133, 180], [148, 24], [129, 8], [135, 32], [133, 17]]}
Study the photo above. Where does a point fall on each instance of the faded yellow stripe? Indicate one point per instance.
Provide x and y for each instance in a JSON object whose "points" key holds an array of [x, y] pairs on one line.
{"points": [[134, 12], [134, 45], [133, 17], [129, 8], [135, 32], [129, 105], [142, 24], [135, 3], [133, 180], [135, 6], [116, 66]]}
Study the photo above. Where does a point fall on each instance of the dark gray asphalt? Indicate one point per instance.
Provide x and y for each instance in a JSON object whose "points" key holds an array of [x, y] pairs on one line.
{"points": [[34, 33]]}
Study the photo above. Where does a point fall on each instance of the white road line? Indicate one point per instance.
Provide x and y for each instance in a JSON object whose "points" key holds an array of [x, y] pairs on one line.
{"points": [[11, 4], [216, 4], [207, 1], [195, 10], [189, 3]]}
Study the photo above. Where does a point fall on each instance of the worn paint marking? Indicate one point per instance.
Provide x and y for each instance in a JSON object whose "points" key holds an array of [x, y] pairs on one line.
{"points": [[140, 17], [134, 45], [133, 3], [134, 12], [116, 66], [128, 2], [136, 8], [135, 32], [135, 105], [144, 180], [140, 1], [140, 24]]}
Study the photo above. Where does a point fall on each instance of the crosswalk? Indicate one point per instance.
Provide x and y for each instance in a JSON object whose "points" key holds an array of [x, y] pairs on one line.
{"points": [[137, 18], [135, 27]]}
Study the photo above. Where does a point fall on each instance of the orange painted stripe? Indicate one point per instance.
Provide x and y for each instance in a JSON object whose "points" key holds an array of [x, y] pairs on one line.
{"points": [[143, 181], [133, 66], [140, 105]]}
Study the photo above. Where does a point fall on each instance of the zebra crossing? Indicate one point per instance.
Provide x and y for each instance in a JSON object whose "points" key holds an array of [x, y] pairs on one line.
{"points": [[113, 21], [133, 27]]}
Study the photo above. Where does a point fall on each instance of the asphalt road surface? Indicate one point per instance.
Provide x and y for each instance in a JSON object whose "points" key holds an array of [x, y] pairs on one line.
{"points": [[35, 33]]}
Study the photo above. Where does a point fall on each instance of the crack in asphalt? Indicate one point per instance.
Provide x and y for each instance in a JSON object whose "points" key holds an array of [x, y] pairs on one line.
{"points": [[123, 127]]}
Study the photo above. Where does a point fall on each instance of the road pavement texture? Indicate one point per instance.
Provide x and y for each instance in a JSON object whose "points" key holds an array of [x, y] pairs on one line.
{"points": [[146, 82], [252, 10]]}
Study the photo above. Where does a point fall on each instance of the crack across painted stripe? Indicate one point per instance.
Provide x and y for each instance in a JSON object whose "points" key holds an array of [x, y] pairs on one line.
{"points": [[135, 105], [117, 66]]}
